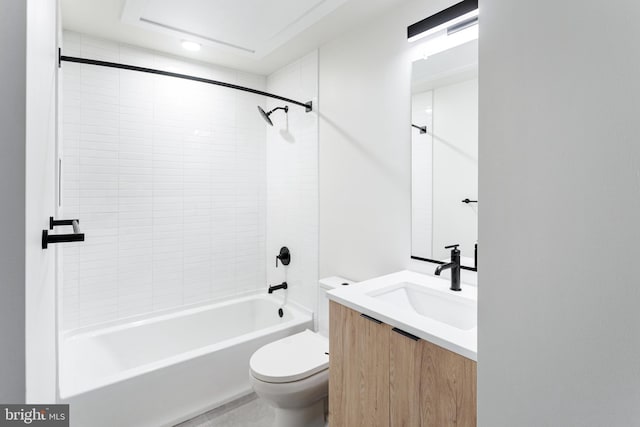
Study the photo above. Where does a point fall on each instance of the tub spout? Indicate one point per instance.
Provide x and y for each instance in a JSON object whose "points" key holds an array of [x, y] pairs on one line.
{"points": [[282, 285]]}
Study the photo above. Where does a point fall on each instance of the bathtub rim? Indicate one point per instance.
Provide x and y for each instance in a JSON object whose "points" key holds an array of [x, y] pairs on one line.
{"points": [[300, 316], [196, 306]]}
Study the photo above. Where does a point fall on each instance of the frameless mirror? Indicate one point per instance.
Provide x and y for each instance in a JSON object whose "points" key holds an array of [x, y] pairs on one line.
{"points": [[444, 155]]}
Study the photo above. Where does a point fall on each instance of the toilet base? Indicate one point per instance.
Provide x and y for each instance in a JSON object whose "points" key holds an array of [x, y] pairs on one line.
{"points": [[310, 416]]}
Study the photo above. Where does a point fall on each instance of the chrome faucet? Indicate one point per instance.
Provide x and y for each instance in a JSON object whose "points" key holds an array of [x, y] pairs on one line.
{"points": [[454, 265]]}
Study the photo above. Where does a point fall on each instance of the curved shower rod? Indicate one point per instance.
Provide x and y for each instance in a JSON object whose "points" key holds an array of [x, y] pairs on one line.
{"points": [[308, 106]]}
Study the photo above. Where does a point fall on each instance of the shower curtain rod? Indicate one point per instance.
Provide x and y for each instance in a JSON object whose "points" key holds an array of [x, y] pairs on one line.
{"points": [[308, 106]]}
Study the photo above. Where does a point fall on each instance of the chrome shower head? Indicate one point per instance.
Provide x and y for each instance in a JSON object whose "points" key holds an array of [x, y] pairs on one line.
{"points": [[265, 115]]}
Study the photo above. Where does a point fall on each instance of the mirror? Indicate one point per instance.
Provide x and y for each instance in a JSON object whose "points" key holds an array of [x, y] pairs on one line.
{"points": [[444, 159]]}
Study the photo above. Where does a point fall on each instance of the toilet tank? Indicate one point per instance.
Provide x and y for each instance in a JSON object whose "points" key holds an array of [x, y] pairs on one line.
{"points": [[325, 285]]}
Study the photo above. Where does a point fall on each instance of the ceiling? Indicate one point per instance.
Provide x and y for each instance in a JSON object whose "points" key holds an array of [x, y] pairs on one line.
{"points": [[252, 35]]}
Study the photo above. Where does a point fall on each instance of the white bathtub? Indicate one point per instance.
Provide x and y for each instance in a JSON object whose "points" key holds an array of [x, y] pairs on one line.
{"points": [[165, 369]]}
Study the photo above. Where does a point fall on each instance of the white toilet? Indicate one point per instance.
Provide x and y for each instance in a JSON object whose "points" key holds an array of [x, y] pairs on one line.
{"points": [[292, 374]]}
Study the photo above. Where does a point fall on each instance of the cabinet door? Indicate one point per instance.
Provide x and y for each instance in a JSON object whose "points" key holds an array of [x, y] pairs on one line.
{"points": [[430, 386], [358, 369], [405, 363]]}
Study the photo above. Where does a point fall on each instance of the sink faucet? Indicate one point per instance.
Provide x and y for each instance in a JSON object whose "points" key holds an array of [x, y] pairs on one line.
{"points": [[454, 265]]}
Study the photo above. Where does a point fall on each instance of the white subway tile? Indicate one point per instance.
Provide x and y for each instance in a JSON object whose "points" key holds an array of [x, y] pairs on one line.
{"points": [[183, 193]]}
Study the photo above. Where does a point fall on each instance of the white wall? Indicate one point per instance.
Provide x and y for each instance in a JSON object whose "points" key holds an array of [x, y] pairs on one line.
{"points": [[13, 21], [559, 324], [365, 150], [167, 177], [292, 181], [42, 53]]}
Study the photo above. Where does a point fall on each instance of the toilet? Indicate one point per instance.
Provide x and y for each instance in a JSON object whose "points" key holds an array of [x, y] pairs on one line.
{"points": [[292, 374]]}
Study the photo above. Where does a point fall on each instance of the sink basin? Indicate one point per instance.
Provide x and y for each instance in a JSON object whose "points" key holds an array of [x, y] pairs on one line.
{"points": [[419, 304], [441, 306]]}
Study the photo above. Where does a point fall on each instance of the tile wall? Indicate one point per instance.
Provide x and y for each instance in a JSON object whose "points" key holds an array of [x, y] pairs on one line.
{"points": [[292, 180], [168, 179]]}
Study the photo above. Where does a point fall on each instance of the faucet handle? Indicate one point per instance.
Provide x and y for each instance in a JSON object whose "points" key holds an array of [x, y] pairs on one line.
{"points": [[455, 252], [284, 256]]}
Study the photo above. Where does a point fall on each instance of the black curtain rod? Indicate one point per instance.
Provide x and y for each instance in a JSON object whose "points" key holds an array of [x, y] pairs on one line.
{"points": [[307, 105]]}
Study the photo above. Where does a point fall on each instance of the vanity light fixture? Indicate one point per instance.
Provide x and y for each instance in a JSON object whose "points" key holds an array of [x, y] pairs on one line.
{"points": [[460, 14], [446, 29], [191, 46]]}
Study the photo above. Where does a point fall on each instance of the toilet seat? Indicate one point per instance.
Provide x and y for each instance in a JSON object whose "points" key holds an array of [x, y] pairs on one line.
{"points": [[292, 358]]}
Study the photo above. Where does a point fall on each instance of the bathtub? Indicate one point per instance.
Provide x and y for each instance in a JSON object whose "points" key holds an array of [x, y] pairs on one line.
{"points": [[161, 370]]}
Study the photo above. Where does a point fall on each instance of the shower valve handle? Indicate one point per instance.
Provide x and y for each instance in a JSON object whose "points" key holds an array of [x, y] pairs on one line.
{"points": [[284, 256]]}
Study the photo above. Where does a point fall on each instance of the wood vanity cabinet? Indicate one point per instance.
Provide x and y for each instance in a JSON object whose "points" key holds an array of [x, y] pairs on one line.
{"points": [[358, 369], [379, 376]]}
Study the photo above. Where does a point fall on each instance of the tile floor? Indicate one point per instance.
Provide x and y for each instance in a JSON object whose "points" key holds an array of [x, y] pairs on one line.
{"points": [[248, 411]]}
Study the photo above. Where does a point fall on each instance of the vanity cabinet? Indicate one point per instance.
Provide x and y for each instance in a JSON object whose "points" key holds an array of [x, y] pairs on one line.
{"points": [[358, 369], [381, 376]]}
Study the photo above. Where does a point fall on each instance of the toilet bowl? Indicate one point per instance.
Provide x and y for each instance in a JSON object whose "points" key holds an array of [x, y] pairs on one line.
{"points": [[292, 375]]}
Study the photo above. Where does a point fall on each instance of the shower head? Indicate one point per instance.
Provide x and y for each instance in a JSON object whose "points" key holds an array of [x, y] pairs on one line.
{"points": [[265, 115]]}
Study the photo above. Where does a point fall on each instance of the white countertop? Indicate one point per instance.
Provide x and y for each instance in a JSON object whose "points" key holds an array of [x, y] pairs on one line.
{"points": [[359, 297]]}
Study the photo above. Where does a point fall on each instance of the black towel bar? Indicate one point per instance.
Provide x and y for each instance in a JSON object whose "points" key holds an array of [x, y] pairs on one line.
{"points": [[76, 236]]}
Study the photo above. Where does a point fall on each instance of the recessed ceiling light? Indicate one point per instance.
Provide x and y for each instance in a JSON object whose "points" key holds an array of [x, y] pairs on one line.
{"points": [[192, 46]]}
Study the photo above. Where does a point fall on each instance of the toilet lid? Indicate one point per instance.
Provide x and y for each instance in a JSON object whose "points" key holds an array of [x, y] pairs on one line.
{"points": [[291, 359]]}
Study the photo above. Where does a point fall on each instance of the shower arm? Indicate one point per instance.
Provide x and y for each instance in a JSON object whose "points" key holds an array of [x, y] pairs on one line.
{"points": [[308, 106], [286, 109], [422, 129]]}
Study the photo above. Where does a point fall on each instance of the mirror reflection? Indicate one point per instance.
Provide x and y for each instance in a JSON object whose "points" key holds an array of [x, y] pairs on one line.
{"points": [[444, 153]]}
